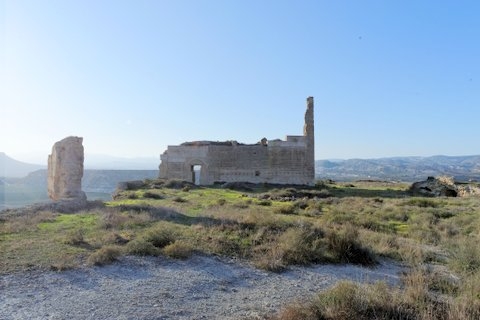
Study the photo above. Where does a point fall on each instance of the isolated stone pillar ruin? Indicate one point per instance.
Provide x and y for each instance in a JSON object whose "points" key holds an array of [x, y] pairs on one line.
{"points": [[65, 170]]}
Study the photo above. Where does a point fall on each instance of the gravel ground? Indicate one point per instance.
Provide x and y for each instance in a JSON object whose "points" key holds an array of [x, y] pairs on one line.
{"points": [[159, 288]]}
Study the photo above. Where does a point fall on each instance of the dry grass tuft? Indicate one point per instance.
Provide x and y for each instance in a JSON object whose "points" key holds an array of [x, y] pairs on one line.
{"points": [[26, 222], [141, 247], [104, 255], [179, 249], [75, 237], [160, 235], [344, 244]]}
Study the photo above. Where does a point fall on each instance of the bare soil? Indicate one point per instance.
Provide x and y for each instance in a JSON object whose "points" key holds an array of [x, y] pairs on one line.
{"points": [[202, 287]]}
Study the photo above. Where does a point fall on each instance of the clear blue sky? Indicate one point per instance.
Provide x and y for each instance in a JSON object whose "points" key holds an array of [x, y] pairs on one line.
{"points": [[390, 78]]}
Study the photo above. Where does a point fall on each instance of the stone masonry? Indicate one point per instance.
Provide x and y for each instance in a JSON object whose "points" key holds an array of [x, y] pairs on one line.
{"points": [[289, 161], [65, 170]]}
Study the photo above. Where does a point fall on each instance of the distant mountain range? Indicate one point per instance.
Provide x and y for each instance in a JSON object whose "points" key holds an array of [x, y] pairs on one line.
{"points": [[98, 181], [462, 168], [98, 184], [10, 167], [105, 162], [23, 183]]}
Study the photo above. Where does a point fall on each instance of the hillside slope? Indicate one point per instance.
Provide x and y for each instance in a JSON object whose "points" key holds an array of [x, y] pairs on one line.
{"points": [[12, 168], [98, 184], [104, 181]]}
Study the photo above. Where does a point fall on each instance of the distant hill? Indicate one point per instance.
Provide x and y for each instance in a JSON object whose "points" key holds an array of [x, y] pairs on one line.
{"points": [[105, 162], [100, 181], [462, 168], [98, 184], [12, 168]]}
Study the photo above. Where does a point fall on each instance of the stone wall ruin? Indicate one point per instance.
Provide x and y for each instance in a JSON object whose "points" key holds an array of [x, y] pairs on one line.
{"points": [[65, 170], [289, 161]]}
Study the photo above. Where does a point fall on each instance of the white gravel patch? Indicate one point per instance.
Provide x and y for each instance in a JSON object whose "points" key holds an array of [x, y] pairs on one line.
{"points": [[201, 287]]}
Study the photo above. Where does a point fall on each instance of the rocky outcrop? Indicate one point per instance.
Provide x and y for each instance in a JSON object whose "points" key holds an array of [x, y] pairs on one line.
{"points": [[65, 170], [434, 187], [443, 186], [468, 190]]}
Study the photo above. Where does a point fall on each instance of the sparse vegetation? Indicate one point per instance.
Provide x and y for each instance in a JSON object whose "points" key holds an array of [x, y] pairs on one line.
{"points": [[179, 249], [152, 195], [359, 223], [104, 255]]}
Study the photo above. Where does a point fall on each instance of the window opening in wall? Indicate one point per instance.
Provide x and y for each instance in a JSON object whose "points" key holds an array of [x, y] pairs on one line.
{"points": [[257, 173], [196, 174]]}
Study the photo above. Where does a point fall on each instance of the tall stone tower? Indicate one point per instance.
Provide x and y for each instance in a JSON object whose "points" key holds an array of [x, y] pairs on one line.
{"points": [[308, 132], [65, 170]]}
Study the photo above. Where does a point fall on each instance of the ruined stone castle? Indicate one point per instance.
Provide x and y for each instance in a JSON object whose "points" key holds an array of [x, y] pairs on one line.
{"points": [[289, 161]]}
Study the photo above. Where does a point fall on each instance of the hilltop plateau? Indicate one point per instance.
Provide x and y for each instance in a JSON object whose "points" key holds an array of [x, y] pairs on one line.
{"points": [[167, 248]]}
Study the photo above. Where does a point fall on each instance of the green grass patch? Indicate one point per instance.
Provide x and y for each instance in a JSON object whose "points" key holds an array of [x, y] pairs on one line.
{"points": [[69, 221]]}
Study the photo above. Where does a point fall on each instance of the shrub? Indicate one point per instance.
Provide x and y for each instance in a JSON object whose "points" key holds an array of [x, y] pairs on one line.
{"points": [[297, 245], [422, 203], [300, 204], [315, 208], [286, 209], [178, 250], [348, 300], [301, 245], [132, 196], [241, 204], [114, 238], [345, 247], [175, 184], [320, 184], [112, 219], [269, 259], [179, 199], [153, 195], [115, 219], [75, 237], [265, 203], [28, 222], [222, 244], [104, 255], [141, 247], [324, 193], [160, 236], [62, 264], [466, 256]]}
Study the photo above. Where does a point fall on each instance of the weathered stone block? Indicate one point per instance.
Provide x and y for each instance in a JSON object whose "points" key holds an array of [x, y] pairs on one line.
{"points": [[65, 170]]}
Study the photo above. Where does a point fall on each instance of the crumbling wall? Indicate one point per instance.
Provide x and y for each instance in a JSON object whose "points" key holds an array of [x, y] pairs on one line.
{"points": [[289, 161]]}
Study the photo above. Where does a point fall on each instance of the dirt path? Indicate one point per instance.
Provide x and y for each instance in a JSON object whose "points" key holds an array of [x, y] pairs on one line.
{"points": [[160, 288]]}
